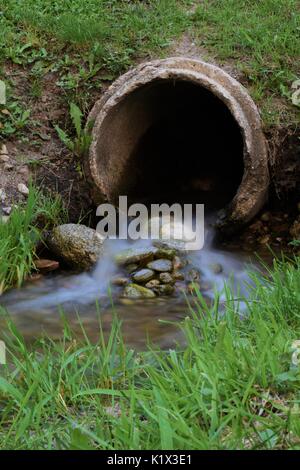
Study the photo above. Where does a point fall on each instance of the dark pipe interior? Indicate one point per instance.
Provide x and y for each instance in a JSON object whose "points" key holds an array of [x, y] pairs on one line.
{"points": [[192, 150]]}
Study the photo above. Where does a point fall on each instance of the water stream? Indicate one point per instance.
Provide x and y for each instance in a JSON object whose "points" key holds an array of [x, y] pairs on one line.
{"points": [[83, 298]]}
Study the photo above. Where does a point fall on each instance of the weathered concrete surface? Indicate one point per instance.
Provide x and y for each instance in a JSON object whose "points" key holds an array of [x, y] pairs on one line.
{"points": [[114, 137]]}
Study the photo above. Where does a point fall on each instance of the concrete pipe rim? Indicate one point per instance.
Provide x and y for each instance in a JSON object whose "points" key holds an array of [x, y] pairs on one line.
{"points": [[253, 189]]}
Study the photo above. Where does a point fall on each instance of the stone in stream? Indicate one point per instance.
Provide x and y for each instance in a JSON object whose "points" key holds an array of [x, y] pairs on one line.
{"points": [[161, 265], [166, 278], [216, 268], [134, 291], [143, 276], [164, 289], [78, 245], [119, 281], [177, 276], [193, 275], [135, 255], [153, 283], [130, 268]]}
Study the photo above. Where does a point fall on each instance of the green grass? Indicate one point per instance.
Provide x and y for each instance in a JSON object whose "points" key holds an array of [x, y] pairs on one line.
{"points": [[261, 38], [93, 41], [21, 233], [233, 386]]}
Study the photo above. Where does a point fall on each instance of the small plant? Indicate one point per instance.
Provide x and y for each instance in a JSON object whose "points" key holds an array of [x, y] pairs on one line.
{"points": [[80, 144]]}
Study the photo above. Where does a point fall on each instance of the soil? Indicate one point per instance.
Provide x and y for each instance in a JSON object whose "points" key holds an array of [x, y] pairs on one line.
{"points": [[39, 154]]}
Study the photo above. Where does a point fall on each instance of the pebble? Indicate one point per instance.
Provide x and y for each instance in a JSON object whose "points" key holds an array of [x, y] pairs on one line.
{"points": [[46, 265], [152, 283], [119, 281], [144, 275], [7, 210], [165, 289], [22, 188], [3, 150], [134, 291], [160, 265], [216, 268], [7, 167], [166, 278]]}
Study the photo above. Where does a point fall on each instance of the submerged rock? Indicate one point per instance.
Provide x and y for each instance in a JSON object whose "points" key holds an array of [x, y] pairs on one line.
{"points": [[78, 245], [134, 291], [143, 275], [160, 265], [216, 268], [119, 281]]}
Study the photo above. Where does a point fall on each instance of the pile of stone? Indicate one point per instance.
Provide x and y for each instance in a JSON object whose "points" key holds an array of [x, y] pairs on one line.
{"points": [[150, 272]]}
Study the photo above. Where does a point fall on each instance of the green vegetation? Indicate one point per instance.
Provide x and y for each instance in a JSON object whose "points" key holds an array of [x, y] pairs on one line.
{"points": [[20, 234], [235, 385], [92, 42]]}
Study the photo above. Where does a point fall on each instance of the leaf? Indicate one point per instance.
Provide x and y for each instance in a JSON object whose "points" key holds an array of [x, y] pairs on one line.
{"points": [[76, 116], [79, 441], [64, 138]]}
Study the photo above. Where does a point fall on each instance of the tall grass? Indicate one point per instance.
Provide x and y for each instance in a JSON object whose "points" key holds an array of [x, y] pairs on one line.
{"points": [[233, 386], [21, 233]]}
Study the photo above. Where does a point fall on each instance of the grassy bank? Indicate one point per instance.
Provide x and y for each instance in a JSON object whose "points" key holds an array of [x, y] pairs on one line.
{"points": [[86, 45], [20, 234], [235, 385]]}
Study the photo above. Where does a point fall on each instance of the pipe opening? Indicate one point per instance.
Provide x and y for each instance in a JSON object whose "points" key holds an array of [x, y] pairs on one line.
{"points": [[183, 145], [180, 130]]}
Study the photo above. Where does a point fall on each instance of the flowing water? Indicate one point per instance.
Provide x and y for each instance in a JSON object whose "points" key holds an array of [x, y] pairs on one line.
{"points": [[84, 298]]}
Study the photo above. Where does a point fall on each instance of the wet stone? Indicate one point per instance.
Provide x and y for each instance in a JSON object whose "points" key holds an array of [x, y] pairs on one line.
{"points": [[137, 255], [164, 289], [160, 265], [217, 268], [119, 281], [153, 283], [166, 278], [130, 268], [134, 291], [143, 275], [193, 275]]}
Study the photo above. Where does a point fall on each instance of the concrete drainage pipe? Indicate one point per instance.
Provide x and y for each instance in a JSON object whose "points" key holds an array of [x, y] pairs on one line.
{"points": [[180, 130]]}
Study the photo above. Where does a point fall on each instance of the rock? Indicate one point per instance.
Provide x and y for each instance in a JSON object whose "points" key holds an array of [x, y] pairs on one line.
{"points": [[164, 289], [7, 210], [193, 275], [130, 268], [166, 278], [177, 263], [78, 245], [143, 276], [160, 265], [22, 188], [152, 283], [177, 276], [266, 217], [4, 158], [46, 265], [193, 287], [34, 277], [167, 253], [8, 167], [119, 281], [3, 150], [295, 229], [134, 291], [216, 268], [135, 255]]}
